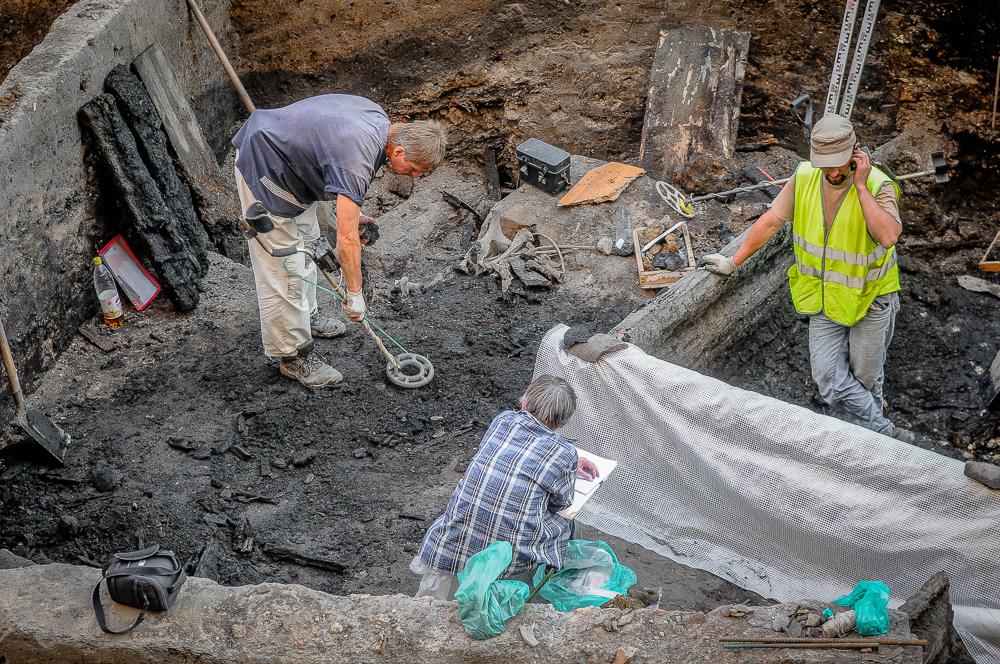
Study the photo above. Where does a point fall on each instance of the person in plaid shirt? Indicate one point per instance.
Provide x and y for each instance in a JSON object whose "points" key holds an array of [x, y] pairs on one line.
{"points": [[523, 473]]}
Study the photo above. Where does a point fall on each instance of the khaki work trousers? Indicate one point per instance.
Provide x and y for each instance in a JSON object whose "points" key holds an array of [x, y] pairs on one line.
{"points": [[286, 302]]}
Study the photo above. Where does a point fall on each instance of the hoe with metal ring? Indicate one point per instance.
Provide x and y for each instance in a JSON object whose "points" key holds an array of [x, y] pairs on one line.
{"points": [[408, 370]]}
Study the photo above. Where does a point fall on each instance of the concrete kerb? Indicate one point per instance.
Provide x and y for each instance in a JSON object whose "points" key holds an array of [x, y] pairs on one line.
{"points": [[46, 616]]}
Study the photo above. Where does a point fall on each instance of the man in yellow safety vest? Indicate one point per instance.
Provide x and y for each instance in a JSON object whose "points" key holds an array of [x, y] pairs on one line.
{"points": [[845, 224]]}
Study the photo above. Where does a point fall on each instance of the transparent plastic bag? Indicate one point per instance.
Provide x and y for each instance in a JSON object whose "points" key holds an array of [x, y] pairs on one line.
{"points": [[870, 601], [590, 576], [432, 584], [484, 603]]}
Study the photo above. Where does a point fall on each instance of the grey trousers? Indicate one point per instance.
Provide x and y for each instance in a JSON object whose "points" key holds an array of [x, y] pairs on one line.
{"points": [[848, 363]]}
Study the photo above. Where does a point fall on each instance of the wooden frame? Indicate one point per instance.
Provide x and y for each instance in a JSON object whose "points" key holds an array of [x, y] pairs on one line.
{"points": [[990, 266], [655, 279]]}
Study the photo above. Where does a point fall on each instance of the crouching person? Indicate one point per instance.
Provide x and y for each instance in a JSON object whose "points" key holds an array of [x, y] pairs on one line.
{"points": [[523, 473]]}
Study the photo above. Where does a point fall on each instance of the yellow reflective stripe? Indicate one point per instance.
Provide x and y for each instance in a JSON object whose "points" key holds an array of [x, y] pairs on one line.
{"points": [[845, 280], [838, 255]]}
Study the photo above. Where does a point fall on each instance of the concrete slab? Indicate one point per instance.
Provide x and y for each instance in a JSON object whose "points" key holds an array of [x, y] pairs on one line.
{"points": [[46, 616]]}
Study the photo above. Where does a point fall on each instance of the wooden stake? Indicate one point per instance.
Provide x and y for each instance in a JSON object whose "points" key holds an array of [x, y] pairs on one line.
{"points": [[996, 89]]}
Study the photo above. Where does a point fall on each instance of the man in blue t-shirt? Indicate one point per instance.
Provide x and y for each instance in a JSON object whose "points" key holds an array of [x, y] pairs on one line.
{"points": [[324, 148]]}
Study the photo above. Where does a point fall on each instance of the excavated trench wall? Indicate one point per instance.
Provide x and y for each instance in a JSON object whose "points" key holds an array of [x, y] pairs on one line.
{"points": [[54, 215]]}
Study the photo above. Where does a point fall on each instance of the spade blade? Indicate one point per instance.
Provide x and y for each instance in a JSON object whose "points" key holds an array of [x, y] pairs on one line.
{"points": [[43, 431]]}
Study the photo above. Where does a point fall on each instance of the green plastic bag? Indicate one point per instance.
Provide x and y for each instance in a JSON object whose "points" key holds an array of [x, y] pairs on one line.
{"points": [[590, 576], [870, 601], [484, 603]]}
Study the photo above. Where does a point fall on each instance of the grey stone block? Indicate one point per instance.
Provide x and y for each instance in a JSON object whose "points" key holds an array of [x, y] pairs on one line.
{"points": [[987, 474]]}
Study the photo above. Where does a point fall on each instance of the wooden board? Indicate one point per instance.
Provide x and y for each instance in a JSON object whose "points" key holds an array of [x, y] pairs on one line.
{"points": [[178, 119], [211, 190], [693, 103], [601, 184]]}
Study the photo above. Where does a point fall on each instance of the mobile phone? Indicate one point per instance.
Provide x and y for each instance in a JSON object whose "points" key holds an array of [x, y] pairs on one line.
{"points": [[864, 149]]}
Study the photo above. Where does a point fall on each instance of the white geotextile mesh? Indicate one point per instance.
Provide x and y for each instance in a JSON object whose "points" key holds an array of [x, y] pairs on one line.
{"points": [[776, 498]]}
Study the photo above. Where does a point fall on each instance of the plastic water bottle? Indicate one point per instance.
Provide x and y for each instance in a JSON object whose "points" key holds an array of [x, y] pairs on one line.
{"points": [[107, 293]]}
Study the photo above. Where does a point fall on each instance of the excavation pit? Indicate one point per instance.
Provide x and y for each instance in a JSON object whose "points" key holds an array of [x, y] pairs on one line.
{"points": [[184, 434]]}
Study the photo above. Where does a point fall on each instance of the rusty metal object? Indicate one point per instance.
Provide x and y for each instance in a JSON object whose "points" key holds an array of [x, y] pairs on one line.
{"points": [[778, 640], [602, 184]]}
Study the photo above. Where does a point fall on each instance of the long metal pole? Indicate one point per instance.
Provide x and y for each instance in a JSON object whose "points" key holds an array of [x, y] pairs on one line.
{"points": [[219, 53], [808, 639]]}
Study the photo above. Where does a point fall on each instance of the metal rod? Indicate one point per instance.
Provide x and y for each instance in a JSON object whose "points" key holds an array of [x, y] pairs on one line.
{"points": [[364, 323], [662, 235], [781, 182], [811, 639], [847, 645], [752, 187], [219, 53], [545, 579]]}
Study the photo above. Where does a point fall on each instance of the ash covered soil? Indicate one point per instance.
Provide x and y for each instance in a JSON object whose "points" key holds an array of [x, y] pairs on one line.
{"points": [[186, 435]]}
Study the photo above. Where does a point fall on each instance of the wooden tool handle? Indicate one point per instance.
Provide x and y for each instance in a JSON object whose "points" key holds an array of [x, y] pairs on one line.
{"points": [[8, 363], [214, 43]]}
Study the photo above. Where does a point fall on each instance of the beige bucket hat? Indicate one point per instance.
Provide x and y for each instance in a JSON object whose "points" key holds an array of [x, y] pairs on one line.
{"points": [[832, 141]]}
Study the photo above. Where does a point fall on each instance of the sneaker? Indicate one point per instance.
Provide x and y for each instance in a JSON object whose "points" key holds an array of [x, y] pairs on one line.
{"points": [[310, 371], [326, 327]]}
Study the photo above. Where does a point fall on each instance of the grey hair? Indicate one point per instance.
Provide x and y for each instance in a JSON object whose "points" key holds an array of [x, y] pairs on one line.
{"points": [[424, 141], [551, 400]]}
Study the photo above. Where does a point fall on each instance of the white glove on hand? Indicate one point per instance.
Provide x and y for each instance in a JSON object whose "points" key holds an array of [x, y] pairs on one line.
{"points": [[354, 306], [718, 264]]}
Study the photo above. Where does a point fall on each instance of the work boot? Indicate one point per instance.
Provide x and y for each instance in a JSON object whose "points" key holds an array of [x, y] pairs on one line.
{"points": [[326, 327], [310, 371]]}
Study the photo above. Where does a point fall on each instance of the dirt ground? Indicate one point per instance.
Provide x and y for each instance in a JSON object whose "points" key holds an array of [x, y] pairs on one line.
{"points": [[186, 435], [23, 23]]}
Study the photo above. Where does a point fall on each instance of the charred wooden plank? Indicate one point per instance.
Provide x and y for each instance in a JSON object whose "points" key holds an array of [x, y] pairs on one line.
{"points": [[284, 553], [142, 119], [214, 204], [155, 230]]}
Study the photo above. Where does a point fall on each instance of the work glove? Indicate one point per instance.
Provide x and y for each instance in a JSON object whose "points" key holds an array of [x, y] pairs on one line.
{"points": [[717, 263], [354, 306]]}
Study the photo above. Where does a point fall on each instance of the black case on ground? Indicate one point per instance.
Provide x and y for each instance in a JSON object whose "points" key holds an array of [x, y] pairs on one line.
{"points": [[148, 579], [543, 165]]}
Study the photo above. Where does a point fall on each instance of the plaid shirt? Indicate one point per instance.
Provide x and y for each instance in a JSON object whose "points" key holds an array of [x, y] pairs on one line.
{"points": [[521, 476]]}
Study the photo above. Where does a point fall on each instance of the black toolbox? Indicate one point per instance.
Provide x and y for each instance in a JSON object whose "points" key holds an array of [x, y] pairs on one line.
{"points": [[543, 165]]}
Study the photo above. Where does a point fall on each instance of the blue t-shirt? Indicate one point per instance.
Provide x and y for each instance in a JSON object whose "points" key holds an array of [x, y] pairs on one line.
{"points": [[311, 151]]}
